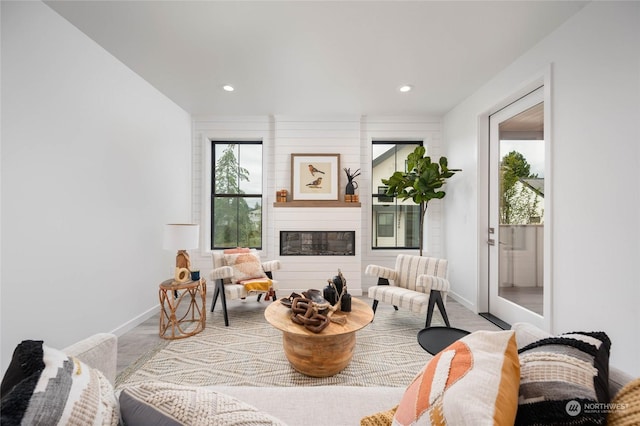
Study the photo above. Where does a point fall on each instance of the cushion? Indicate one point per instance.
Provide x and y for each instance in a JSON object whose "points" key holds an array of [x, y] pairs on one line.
{"points": [[624, 409], [245, 266], [46, 386], [561, 377], [237, 250], [158, 404], [527, 333], [383, 418], [473, 381]]}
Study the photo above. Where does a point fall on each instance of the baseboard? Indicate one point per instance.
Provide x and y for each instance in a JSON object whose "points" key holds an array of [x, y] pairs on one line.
{"points": [[133, 323], [464, 302], [495, 320]]}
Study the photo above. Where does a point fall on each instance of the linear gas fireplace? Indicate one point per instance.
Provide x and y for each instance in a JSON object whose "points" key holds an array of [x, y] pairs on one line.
{"points": [[317, 243]]}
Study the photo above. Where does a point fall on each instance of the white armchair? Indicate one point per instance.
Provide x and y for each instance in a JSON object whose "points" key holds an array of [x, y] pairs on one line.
{"points": [[225, 288], [416, 283]]}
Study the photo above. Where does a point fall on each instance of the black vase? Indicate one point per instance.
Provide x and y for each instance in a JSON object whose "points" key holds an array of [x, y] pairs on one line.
{"points": [[345, 305], [337, 281], [350, 189], [329, 294]]}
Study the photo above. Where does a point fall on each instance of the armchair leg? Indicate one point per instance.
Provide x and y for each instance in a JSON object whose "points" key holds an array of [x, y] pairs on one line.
{"points": [[223, 297], [216, 291], [435, 298], [219, 290], [260, 296]]}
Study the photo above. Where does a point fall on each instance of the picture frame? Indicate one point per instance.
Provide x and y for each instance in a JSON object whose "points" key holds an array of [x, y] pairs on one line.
{"points": [[315, 176]]}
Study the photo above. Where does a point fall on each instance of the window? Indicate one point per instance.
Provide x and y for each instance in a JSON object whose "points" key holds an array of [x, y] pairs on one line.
{"points": [[385, 224], [396, 224], [236, 199]]}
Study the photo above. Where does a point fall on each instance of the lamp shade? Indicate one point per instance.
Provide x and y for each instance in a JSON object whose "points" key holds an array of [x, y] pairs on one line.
{"points": [[181, 236]]}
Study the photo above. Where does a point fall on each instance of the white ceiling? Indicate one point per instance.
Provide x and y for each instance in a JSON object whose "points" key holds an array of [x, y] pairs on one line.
{"points": [[317, 58]]}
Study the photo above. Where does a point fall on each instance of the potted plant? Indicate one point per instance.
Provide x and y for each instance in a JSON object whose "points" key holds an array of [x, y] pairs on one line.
{"points": [[421, 182]]}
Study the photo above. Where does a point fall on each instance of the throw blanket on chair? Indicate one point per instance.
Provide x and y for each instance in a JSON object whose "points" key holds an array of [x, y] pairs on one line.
{"points": [[256, 284]]}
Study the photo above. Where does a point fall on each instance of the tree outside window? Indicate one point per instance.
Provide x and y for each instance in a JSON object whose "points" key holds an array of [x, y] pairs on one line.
{"points": [[521, 191], [236, 201]]}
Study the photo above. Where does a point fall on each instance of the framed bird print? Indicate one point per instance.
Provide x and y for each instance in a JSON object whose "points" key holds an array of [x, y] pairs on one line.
{"points": [[314, 176]]}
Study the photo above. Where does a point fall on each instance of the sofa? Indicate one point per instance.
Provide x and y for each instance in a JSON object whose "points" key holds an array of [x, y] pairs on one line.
{"points": [[299, 406]]}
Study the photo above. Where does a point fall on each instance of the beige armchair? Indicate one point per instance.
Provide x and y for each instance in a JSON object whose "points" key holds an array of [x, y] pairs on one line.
{"points": [[416, 283], [227, 288]]}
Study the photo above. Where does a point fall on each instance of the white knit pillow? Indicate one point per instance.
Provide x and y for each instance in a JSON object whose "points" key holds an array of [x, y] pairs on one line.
{"points": [[158, 404]]}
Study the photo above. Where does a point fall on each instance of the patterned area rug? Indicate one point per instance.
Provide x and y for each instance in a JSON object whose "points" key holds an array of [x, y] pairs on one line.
{"points": [[249, 353]]}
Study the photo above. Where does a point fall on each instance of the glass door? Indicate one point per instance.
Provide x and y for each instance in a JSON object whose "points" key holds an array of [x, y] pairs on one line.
{"points": [[516, 211]]}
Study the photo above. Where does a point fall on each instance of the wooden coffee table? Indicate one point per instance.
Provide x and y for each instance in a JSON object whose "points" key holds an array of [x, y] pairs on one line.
{"points": [[319, 354]]}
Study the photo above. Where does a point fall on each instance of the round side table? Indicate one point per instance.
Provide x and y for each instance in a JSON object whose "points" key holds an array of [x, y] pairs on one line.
{"points": [[435, 339], [182, 308]]}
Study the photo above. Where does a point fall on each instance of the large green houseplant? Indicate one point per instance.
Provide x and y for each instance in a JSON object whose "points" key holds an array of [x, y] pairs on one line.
{"points": [[421, 182]]}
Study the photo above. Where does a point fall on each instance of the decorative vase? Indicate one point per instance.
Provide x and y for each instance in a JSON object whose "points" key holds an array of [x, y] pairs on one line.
{"points": [[351, 188], [329, 293], [345, 305], [337, 282]]}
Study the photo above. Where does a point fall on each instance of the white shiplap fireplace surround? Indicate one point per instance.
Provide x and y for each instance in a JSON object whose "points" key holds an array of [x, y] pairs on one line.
{"points": [[349, 136]]}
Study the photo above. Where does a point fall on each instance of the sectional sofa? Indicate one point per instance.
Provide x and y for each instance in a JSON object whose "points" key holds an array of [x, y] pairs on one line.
{"points": [[297, 406]]}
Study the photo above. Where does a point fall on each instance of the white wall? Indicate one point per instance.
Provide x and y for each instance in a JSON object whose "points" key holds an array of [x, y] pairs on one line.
{"points": [[595, 217], [94, 162]]}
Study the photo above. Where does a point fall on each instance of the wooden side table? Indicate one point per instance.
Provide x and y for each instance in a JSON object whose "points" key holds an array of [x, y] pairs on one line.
{"points": [[182, 308]]}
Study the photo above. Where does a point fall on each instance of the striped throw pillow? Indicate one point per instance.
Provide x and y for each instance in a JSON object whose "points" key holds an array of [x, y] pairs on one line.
{"points": [[44, 386], [474, 381], [563, 379]]}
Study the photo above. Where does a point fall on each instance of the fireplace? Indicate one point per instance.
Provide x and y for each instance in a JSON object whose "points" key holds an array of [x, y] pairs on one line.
{"points": [[317, 243]]}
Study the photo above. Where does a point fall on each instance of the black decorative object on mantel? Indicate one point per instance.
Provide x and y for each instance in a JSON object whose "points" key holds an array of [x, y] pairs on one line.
{"points": [[351, 185]]}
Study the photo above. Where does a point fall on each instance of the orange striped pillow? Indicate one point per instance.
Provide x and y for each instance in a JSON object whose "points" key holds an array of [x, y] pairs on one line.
{"points": [[474, 381]]}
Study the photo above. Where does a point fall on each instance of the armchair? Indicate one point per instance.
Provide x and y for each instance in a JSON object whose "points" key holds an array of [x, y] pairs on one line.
{"points": [[418, 284], [227, 285]]}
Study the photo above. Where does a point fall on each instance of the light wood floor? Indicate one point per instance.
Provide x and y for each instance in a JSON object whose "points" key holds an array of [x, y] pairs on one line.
{"points": [[144, 337], [528, 297]]}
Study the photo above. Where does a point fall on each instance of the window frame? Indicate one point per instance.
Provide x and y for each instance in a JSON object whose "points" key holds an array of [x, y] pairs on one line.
{"points": [[213, 195], [397, 204]]}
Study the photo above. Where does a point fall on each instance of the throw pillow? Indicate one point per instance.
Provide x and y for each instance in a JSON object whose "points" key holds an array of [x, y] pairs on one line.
{"points": [[625, 406], [474, 381], [561, 377], [45, 386], [237, 250], [245, 266], [383, 418], [159, 404]]}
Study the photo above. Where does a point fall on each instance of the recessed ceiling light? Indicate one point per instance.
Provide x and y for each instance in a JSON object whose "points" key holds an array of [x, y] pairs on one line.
{"points": [[228, 88], [405, 88]]}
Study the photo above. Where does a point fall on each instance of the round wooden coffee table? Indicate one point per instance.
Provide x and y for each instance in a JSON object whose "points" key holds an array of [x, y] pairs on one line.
{"points": [[319, 354]]}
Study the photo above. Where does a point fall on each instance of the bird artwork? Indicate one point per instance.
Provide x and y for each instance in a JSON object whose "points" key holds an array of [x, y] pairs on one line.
{"points": [[316, 183], [313, 170]]}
